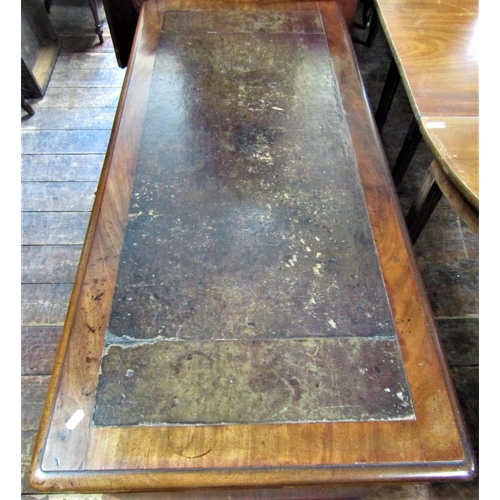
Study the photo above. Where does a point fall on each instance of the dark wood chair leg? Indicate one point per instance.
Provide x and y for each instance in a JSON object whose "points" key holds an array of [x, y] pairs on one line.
{"points": [[27, 106], [410, 145], [47, 4], [390, 87], [98, 30], [425, 202]]}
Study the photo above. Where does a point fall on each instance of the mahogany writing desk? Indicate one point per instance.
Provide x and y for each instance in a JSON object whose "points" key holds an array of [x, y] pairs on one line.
{"points": [[247, 312]]}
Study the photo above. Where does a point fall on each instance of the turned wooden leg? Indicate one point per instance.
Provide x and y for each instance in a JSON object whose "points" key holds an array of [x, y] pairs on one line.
{"points": [[27, 106], [98, 30]]}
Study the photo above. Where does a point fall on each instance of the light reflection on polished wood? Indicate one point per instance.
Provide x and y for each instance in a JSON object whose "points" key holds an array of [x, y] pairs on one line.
{"points": [[434, 446], [454, 142]]}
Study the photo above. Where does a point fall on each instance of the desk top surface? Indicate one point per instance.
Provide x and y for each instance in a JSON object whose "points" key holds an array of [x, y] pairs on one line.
{"points": [[246, 311]]}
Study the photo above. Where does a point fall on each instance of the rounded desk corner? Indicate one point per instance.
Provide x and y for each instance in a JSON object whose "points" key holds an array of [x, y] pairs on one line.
{"points": [[49, 482], [38, 478], [471, 468], [467, 469]]}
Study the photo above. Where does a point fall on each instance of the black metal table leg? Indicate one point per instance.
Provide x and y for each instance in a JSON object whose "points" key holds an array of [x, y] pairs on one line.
{"points": [[373, 23], [370, 20], [367, 12], [390, 87], [410, 144]]}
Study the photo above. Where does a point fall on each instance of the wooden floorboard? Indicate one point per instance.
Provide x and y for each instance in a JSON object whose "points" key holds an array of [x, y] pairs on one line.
{"points": [[44, 304], [33, 390], [71, 61], [53, 228], [72, 119], [27, 441], [63, 149], [64, 141], [92, 77], [65, 167], [80, 97], [49, 263], [57, 196], [38, 349]]}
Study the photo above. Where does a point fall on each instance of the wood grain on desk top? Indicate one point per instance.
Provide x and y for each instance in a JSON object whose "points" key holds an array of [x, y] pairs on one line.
{"points": [[435, 45], [454, 142]]}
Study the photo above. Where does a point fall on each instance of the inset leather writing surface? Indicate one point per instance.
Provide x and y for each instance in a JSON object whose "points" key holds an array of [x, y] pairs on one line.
{"points": [[249, 288], [260, 381]]}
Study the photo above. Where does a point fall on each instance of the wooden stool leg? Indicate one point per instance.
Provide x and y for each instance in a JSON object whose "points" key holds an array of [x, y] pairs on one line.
{"points": [[98, 30], [410, 144], [427, 198], [390, 87], [27, 106]]}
